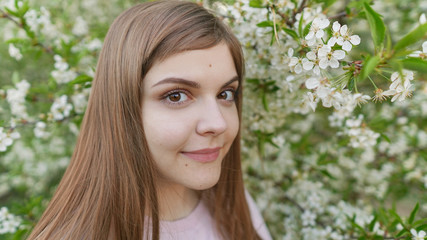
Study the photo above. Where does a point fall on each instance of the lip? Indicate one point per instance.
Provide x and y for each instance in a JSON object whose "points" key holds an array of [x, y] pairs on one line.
{"points": [[203, 155]]}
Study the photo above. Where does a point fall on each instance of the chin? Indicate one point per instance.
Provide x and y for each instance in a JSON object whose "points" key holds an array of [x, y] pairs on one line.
{"points": [[206, 183]]}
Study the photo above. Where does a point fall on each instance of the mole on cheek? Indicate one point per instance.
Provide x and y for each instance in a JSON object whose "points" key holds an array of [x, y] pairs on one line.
{"points": [[210, 65], [186, 165]]}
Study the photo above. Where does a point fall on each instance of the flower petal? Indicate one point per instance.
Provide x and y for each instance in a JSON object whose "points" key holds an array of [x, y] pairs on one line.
{"points": [[425, 47], [339, 54], [334, 63], [347, 46], [307, 64], [323, 63], [311, 55], [344, 30], [310, 35], [298, 68], [293, 61], [312, 83], [320, 34], [355, 40], [336, 26], [332, 41]]}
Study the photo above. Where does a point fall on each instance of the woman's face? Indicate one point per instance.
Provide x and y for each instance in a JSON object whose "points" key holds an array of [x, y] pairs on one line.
{"points": [[190, 116]]}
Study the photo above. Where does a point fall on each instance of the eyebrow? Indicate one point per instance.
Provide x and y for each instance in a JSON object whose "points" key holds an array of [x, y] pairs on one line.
{"points": [[189, 83]]}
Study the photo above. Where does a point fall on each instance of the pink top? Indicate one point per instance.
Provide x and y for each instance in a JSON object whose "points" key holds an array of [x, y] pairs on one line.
{"points": [[200, 224]]}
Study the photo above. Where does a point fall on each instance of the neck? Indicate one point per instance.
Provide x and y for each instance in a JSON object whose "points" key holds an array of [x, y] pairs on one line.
{"points": [[176, 201]]}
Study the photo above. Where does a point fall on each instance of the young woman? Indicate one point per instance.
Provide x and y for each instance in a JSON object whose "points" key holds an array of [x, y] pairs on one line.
{"points": [[158, 156]]}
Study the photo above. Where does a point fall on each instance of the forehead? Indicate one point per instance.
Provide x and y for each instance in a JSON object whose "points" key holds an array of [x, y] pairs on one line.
{"points": [[215, 63]]}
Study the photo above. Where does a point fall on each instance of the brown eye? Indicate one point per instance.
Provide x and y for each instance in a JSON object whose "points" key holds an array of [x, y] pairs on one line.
{"points": [[227, 95], [177, 97]]}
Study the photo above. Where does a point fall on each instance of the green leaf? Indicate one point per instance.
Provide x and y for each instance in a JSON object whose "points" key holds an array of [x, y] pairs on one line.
{"points": [[81, 80], [326, 3], [422, 227], [420, 221], [256, 3], [354, 224], [413, 213], [301, 19], [15, 77], [376, 25], [403, 231], [412, 37], [265, 24], [18, 41], [368, 67], [372, 224], [396, 216], [385, 137], [326, 173], [350, 84], [415, 64], [264, 101], [291, 33], [11, 12], [306, 29]]}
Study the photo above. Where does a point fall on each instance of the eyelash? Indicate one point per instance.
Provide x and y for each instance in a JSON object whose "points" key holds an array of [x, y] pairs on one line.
{"points": [[164, 97]]}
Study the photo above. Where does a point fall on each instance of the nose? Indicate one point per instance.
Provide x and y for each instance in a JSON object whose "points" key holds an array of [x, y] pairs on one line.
{"points": [[211, 121]]}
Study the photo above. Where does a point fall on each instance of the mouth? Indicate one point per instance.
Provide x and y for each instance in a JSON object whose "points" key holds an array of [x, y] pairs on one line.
{"points": [[203, 155]]}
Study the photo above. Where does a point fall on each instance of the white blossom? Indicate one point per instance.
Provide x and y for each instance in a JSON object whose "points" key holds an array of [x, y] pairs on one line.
{"points": [[342, 36], [420, 54], [361, 99], [80, 27], [422, 19], [6, 138], [400, 88], [15, 52], [62, 74], [61, 109], [79, 101], [296, 64], [360, 136], [418, 235], [10, 4], [41, 22], [39, 130], [9, 223], [94, 45], [329, 57], [16, 98], [316, 28]]}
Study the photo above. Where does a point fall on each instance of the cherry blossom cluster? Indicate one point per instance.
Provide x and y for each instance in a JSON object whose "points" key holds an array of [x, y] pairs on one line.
{"points": [[360, 136], [9, 223], [6, 138], [401, 86], [62, 74], [310, 141], [16, 99]]}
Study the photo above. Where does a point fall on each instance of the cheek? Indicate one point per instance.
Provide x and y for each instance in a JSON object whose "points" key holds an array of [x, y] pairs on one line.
{"points": [[233, 125], [165, 133]]}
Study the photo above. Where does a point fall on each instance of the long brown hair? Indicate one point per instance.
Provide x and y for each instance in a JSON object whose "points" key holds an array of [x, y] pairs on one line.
{"points": [[110, 182]]}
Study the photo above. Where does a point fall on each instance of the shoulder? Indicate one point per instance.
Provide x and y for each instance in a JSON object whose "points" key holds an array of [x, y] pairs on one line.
{"points": [[257, 219]]}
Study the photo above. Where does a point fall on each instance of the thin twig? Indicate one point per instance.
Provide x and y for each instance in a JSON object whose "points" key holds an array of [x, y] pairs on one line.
{"points": [[293, 19], [6, 15], [21, 25]]}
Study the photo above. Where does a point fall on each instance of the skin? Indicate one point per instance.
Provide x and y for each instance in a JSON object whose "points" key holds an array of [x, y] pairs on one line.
{"points": [[188, 106]]}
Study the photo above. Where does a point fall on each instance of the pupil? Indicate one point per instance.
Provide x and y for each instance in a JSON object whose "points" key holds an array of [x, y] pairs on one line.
{"points": [[175, 97]]}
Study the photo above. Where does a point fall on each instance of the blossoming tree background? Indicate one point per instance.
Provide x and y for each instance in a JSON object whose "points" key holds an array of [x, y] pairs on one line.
{"points": [[335, 111]]}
